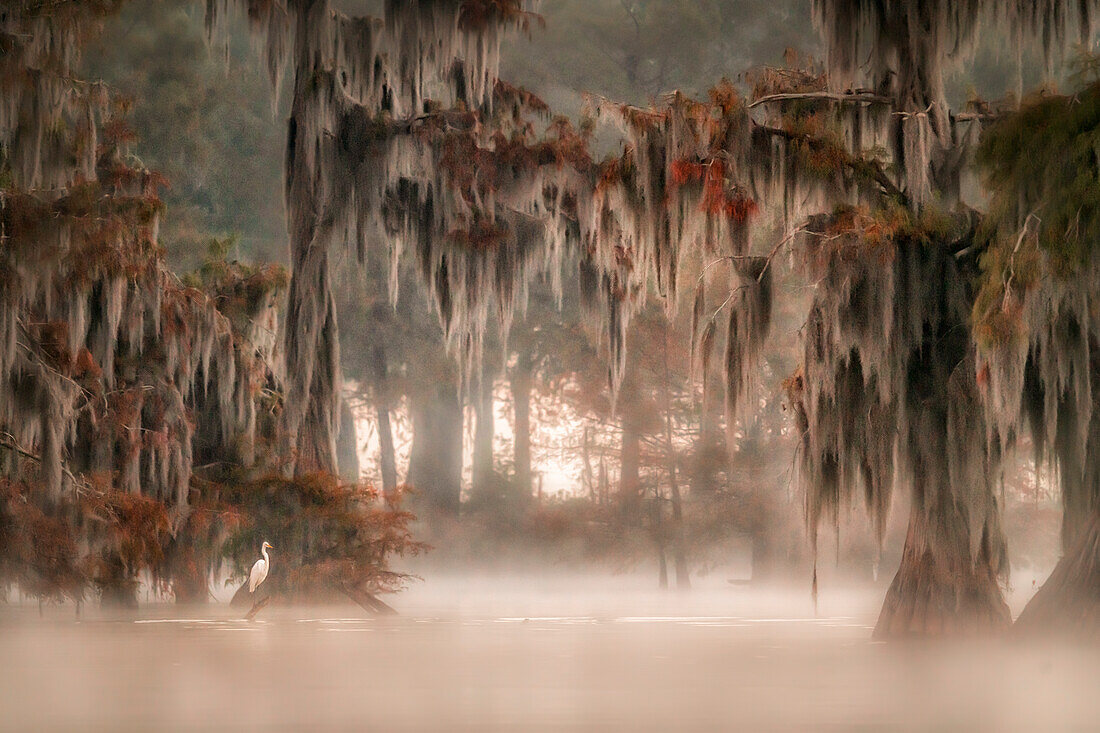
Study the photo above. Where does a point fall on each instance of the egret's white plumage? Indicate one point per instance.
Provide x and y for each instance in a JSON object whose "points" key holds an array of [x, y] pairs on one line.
{"points": [[259, 570]]}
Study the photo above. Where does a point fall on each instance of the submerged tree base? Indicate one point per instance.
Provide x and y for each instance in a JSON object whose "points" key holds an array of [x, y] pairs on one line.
{"points": [[1069, 601], [937, 595], [358, 593]]}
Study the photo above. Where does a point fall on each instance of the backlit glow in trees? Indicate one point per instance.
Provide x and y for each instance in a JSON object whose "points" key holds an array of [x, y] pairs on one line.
{"points": [[401, 137]]}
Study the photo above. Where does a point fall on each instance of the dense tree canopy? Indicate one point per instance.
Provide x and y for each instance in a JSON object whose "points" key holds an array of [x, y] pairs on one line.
{"points": [[863, 162], [118, 380], [939, 329]]}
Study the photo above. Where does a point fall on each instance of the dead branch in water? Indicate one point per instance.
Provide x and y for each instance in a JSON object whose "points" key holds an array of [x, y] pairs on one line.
{"points": [[257, 607], [368, 601]]}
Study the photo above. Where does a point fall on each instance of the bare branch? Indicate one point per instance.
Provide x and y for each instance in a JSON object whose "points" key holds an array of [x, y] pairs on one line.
{"points": [[862, 97]]}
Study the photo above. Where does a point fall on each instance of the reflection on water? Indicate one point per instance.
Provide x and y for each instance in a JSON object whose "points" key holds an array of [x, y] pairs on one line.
{"points": [[544, 658]]}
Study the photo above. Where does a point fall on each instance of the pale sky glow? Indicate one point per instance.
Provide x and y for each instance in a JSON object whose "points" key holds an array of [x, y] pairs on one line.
{"points": [[557, 434]]}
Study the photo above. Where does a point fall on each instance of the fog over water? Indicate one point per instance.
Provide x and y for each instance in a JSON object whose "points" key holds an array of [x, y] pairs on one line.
{"points": [[546, 652], [652, 359]]}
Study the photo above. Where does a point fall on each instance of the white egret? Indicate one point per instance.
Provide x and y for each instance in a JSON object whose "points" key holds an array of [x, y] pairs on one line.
{"points": [[259, 570]]}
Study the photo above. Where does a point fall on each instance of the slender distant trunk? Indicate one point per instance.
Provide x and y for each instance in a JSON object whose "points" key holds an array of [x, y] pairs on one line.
{"points": [[387, 456], [587, 480], [603, 484], [683, 577], [347, 445], [683, 580], [520, 382], [629, 457], [435, 463], [659, 541], [709, 456], [484, 484]]}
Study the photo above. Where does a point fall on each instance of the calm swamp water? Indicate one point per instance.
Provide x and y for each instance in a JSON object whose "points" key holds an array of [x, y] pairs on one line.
{"points": [[493, 654]]}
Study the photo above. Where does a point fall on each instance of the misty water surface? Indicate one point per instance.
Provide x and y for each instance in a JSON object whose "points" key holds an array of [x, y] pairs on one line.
{"points": [[485, 653]]}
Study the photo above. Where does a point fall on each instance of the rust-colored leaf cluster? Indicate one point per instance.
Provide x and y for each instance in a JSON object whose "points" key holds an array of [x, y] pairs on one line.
{"points": [[128, 527], [478, 15], [328, 534], [39, 548], [721, 196]]}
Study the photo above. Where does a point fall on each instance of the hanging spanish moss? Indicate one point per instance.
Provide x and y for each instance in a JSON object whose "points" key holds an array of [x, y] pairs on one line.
{"points": [[463, 183], [386, 143], [1037, 324], [108, 363], [402, 137], [891, 392], [903, 49], [889, 398]]}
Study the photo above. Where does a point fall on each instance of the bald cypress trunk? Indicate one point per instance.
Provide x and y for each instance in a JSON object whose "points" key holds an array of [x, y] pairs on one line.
{"points": [[955, 552], [312, 339], [1069, 600], [906, 399], [313, 362], [939, 589]]}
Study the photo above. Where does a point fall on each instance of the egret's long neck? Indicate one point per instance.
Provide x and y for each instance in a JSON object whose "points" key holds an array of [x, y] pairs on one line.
{"points": [[266, 560]]}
